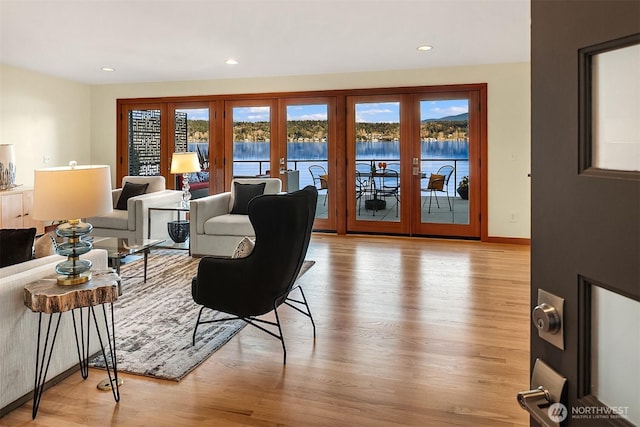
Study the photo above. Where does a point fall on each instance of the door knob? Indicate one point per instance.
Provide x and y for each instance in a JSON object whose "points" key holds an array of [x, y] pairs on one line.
{"points": [[546, 318]]}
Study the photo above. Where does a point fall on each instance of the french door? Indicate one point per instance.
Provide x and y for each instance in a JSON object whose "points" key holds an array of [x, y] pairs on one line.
{"points": [[192, 129], [447, 149], [250, 135], [309, 145], [384, 160], [406, 157]]}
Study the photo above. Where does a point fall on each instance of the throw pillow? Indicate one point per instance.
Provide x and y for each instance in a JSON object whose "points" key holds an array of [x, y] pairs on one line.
{"points": [[130, 190], [436, 182], [243, 193], [324, 181], [244, 248], [16, 245], [45, 245]]}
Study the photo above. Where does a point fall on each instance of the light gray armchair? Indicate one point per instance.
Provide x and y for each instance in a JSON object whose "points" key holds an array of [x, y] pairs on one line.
{"points": [[133, 222], [216, 227]]}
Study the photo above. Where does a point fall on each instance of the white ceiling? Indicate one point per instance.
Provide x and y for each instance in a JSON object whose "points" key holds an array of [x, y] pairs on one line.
{"points": [[171, 40]]}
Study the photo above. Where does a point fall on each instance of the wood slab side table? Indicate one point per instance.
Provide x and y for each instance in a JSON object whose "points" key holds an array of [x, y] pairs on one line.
{"points": [[46, 296]]}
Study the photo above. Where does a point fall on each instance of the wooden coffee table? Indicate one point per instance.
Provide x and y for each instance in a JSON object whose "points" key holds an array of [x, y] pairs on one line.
{"points": [[119, 248]]}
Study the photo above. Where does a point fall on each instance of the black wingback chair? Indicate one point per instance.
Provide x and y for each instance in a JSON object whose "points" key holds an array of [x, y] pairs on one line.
{"points": [[249, 287]]}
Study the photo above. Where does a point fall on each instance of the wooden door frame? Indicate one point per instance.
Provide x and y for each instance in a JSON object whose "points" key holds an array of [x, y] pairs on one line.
{"points": [[336, 181], [275, 151], [221, 134], [477, 131]]}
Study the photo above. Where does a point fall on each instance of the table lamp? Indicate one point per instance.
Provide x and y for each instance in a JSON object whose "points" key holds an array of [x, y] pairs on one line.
{"points": [[185, 163], [70, 194]]}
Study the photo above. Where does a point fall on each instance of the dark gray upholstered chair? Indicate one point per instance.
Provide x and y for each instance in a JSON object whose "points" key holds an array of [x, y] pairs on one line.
{"points": [[246, 288]]}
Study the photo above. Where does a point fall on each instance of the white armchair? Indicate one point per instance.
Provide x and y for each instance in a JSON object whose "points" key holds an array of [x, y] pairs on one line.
{"points": [[214, 229], [133, 223]]}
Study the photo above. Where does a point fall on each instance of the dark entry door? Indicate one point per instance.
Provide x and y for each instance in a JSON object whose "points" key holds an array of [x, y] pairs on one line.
{"points": [[585, 239]]}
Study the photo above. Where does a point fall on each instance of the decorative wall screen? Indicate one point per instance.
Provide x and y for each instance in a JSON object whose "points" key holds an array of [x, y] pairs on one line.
{"points": [[180, 132], [144, 142]]}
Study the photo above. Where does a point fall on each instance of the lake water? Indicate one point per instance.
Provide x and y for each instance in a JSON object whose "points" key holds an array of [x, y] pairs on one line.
{"points": [[252, 158]]}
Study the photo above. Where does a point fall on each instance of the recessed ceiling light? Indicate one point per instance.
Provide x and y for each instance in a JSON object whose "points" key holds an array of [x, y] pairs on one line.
{"points": [[425, 47], [107, 69], [231, 61]]}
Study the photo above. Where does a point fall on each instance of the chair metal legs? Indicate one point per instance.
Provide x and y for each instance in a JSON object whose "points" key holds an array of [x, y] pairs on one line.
{"points": [[304, 303], [254, 321], [438, 203]]}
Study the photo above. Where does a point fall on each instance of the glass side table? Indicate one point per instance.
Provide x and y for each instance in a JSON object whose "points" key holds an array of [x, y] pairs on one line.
{"points": [[178, 229], [118, 248]]}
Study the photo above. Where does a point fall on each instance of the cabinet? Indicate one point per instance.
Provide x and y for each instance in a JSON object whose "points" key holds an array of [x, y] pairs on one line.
{"points": [[15, 210]]}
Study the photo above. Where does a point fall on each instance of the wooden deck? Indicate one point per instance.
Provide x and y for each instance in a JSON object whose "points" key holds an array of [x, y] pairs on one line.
{"points": [[458, 214]]}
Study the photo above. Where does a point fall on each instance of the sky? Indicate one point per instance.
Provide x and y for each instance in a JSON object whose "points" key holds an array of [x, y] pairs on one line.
{"points": [[374, 112]]}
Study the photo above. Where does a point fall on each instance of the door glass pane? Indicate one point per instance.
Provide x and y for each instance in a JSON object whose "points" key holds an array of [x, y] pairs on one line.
{"points": [[308, 150], [615, 107], [144, 142], [444, 148], [377, 186], [251, 141], [615, 353], [192, 134]]}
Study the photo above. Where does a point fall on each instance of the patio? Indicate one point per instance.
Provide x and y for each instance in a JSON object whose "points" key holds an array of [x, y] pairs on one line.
{"points": [[459, 213]]}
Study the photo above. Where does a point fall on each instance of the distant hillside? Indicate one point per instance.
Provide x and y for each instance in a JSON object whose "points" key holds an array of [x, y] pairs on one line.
{"points": [[445, 128], [457, 118]]}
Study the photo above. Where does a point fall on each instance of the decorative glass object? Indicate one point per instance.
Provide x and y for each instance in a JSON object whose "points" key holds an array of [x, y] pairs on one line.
{"points": [[7, 167]]}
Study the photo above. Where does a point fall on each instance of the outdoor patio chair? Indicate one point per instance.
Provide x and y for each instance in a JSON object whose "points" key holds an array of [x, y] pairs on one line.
{"points": [[439, 182], [390, 186], [320, 179]]}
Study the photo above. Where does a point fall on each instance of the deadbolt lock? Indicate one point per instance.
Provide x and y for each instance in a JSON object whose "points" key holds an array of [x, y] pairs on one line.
{"points": [[547, 317]]}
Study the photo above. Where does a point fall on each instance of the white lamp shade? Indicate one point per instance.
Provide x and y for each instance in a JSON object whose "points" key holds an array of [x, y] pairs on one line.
{"points": [[78, 192], [185, 162]]}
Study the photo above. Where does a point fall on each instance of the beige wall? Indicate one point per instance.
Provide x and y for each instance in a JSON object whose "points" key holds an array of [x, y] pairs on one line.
{"points": [[45, 115], [508, 115]]}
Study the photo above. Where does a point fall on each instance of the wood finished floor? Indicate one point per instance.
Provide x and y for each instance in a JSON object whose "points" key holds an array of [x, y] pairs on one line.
{"points": [[411, 332]]}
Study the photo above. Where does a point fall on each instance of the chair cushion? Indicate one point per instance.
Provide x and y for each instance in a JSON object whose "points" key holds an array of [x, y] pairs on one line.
{"points": [[130, 190], [244, 248], [116, 219], [436, 182], [243, 193], [229, 225], [17, 245]]}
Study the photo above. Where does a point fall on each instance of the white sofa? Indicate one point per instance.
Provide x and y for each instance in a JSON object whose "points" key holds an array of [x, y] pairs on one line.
{"points": [[19, 330], [134, 222], [213, 229]]}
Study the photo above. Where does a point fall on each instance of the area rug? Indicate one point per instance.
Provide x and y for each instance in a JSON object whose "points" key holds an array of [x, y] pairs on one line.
{"points": [[155, 320]]}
